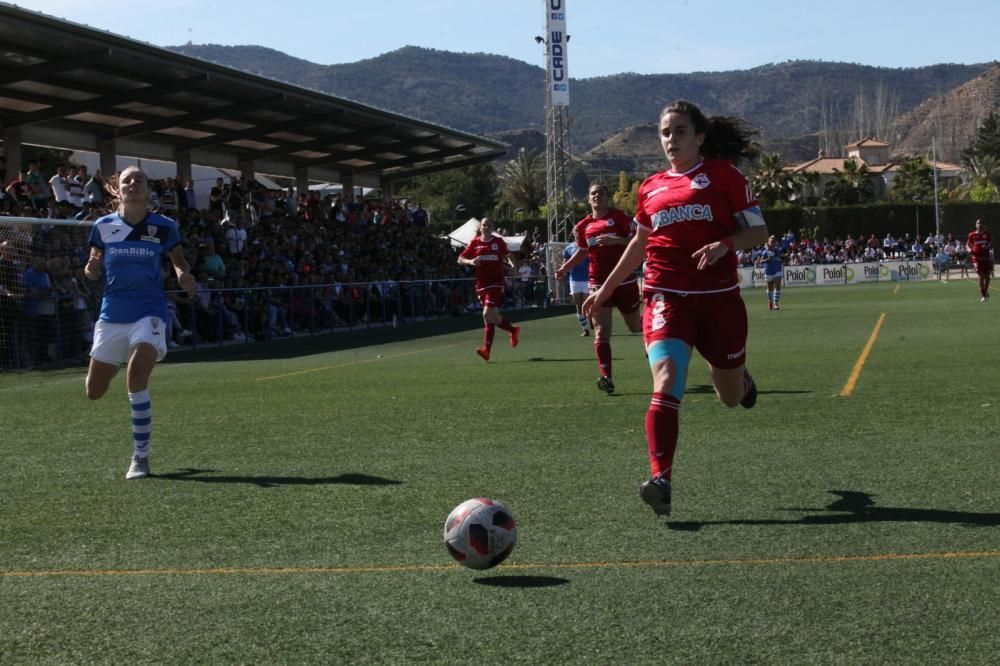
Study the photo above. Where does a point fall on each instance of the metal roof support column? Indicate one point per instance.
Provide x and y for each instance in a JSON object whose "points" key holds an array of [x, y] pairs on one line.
{"points": [[183, 160], [301, 180], [387, 191], [109, 157], [246, 169], [12, 151], [347, 182]]}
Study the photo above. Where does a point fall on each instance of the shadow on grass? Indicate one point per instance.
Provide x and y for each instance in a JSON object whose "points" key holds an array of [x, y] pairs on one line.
{"points": [[707, 389], [264, 481], [858, 507], [521, 581]]}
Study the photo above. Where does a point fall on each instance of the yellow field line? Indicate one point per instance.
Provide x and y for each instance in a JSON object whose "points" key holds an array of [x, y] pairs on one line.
{"points": [[896, 289], [856, 372], [422, 568], [364, 360]]}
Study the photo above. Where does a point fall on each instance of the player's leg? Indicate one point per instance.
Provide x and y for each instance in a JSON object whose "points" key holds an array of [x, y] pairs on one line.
{"points": [[578, 298], [770, 293], [99, 376], [669, 358], [722, 340], [628, 300], [777, 293], [107, 353], [148, 346], [602, 347]]}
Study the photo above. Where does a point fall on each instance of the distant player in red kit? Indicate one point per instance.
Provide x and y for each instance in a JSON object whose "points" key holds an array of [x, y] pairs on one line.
{"points": [[488, 253], [979, 243], [691, 219], [602, 237]]}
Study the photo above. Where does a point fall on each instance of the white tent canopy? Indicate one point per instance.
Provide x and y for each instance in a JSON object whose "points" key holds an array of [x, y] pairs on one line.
{"points": [[464, 234]]}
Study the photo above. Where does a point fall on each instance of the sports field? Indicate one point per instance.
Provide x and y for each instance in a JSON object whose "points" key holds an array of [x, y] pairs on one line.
{"points": [[297, 505]]}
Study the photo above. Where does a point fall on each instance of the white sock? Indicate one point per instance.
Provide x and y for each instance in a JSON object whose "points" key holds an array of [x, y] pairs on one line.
{"points": [[583, 321], [142, 422]]}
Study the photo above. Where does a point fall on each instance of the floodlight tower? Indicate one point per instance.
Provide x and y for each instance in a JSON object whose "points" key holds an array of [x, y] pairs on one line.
{"points": [[559, 197]]}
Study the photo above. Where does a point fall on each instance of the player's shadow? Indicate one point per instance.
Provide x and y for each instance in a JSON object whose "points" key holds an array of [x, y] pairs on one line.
{"points": [[267, 481], [854, 507], [521, 581], [542, 359], [708, 389]]}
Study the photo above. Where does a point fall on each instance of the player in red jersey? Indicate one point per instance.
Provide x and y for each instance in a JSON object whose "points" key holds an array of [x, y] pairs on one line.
{"points": [[979, 243], [488, 253], [602, 237], [691, 219]]}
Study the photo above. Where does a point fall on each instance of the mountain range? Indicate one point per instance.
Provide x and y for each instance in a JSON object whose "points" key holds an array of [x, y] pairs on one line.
{"points": [[798, 106]]}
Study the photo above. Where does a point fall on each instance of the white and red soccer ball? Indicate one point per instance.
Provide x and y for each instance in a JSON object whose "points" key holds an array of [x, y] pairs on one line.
{"points": [[480, 533]]}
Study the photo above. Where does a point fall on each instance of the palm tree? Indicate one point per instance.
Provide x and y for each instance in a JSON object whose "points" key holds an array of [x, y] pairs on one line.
{"points": [[771, 182], [523, 180], [984, 181], [851, 186]]}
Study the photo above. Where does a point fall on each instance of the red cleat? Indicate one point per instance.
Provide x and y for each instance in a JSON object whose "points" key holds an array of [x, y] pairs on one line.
{"points": [[515, 336], [484, 353]]}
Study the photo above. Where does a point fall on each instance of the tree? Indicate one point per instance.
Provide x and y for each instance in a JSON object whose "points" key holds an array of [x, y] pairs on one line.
{"points": [[522, 181], [771, 182], [851, 186], [984, 181], [472, 187], [986, 142], [915, 181], [627, 194]]}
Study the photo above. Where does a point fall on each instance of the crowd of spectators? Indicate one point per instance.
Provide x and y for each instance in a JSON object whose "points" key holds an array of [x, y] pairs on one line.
{"points": [[937, 248], [268, 262]]}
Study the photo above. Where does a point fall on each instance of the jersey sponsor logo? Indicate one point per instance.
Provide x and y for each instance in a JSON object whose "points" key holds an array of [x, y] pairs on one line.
{"points": [[493, 247], [131, 251], [737, 354], [662, 188], [609, 222], [658, 322], [689, 212], [596, 240], [700, 182], [489, 257], [150, 236]]}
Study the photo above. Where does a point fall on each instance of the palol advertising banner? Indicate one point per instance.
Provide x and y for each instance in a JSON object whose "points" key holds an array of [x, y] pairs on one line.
{"points": [[832, 274]]}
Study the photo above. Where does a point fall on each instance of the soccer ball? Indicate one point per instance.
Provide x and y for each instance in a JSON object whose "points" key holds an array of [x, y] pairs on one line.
{"points": [[480, 533]]}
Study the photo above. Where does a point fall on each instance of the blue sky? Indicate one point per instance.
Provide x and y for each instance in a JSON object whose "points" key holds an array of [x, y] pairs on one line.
{"points": [[643, 36]]}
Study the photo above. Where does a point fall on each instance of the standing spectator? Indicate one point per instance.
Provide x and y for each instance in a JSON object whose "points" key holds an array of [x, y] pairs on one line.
{"points": [[59, 183], [488, 253], [74, 185], [979, 243], [691, 219], [132, 325], [602, 236], [236, 238], [93, 190], [38, 188]]}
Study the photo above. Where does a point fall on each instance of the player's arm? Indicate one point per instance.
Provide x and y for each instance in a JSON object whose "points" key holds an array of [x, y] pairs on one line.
{"points": [[752, 232], [630, 260], [92, 271], [578, 258], [183, 270], [467, 261]]}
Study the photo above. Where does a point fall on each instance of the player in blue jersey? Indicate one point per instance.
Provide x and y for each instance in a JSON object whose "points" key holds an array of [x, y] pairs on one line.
{"points": [[578, 288], [128, 247], [770, 258]]}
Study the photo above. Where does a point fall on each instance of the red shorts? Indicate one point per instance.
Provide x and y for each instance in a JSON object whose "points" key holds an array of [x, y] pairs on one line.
{"points": [[626, 297], [492, 296], [714, 324], [983, 266]]}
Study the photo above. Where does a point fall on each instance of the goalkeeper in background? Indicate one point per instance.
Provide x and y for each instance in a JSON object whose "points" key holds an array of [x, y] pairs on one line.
{"points": [[127, 248]]}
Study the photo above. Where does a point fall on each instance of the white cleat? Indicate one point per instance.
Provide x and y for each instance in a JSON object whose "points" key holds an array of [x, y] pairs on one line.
{"points": [[138, 469]]}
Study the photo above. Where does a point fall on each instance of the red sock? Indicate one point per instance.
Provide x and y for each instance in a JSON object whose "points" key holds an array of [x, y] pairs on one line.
{"points": [[661, 433], [488, 333], [602, 347], [505, 325]]}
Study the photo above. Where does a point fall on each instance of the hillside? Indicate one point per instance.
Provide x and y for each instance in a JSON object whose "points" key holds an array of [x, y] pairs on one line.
{"points": [[952, 118], [489, 94]]}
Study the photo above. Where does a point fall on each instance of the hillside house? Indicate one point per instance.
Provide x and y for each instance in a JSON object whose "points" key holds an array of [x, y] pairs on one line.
{"points": [[876, 155]]}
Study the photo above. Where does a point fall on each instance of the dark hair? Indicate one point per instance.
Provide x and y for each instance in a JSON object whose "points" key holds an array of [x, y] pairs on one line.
{"points": [[598, 183], [726, 137]]}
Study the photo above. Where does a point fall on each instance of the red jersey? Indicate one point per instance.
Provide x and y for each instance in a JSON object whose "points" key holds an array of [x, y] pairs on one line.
{"points": [[980, 243], [492, 255], [603, 258], [686, 211]]}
